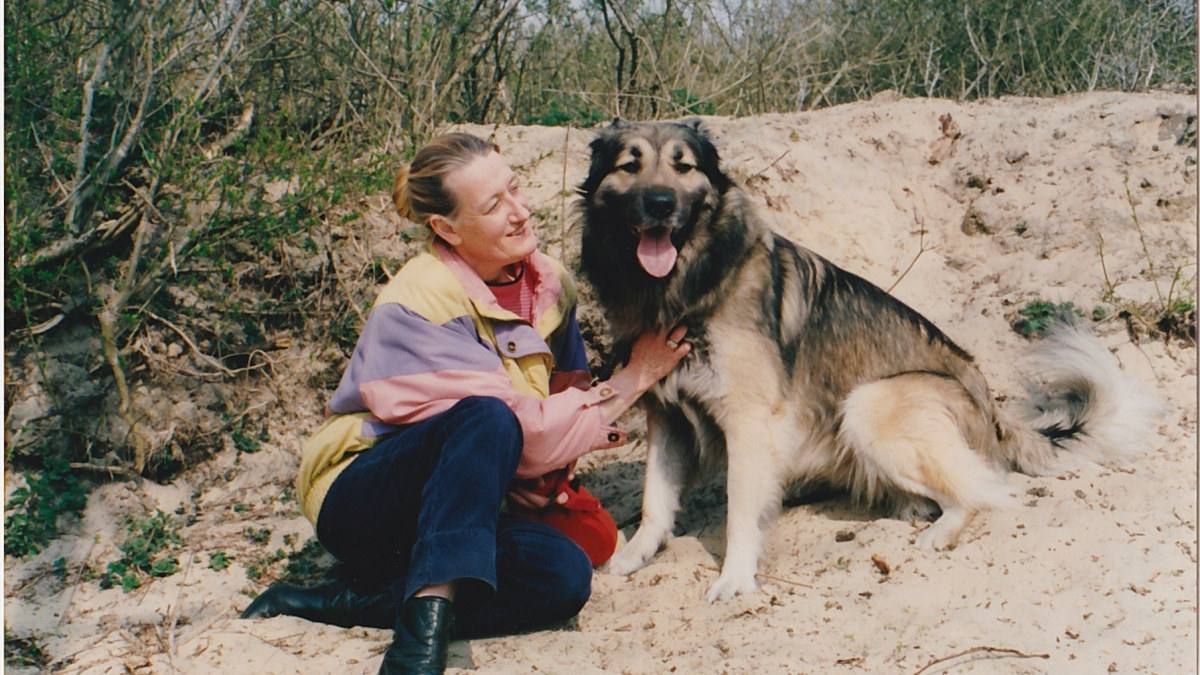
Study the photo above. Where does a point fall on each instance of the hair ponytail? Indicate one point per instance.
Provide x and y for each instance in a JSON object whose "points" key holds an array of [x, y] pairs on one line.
{"points": [[400, 196]]}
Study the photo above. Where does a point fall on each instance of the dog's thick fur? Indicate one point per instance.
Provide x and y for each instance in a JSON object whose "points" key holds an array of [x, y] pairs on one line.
{"points": [[804, 373]]}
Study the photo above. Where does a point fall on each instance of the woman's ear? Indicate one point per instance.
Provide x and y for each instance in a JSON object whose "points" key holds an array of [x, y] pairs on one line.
{"points": [[445, 229]]}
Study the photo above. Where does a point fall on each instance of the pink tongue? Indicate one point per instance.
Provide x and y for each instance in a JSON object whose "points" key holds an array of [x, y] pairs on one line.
{"points": [[656, 253]]}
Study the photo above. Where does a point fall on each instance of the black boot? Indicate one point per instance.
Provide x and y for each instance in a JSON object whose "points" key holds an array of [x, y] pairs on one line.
{"points": [[422, 642], [335, 602]]}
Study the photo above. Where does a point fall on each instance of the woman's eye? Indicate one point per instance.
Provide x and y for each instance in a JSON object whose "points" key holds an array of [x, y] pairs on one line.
{"points": [[629, 167]]}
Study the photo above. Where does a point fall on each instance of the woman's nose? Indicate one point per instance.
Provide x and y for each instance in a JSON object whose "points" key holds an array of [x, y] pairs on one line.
{"points": [[521, 212]]}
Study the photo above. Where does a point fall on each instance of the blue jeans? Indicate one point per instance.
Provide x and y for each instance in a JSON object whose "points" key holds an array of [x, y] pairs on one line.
{"points": [[423, 506]]}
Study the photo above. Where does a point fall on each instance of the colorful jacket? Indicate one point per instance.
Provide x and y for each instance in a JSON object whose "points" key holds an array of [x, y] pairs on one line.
{"points": [[437, 335]]}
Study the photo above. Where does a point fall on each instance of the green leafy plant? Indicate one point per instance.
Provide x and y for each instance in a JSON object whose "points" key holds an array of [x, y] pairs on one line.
{"points": [[35, 508], [23, 652], [219, 561], [146, 552], [263, 564], [1037, 316], [259, 536], [307, 565]]}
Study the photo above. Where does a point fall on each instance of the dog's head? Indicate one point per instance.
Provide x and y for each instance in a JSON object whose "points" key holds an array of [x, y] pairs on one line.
{"points": [[648, 186]]}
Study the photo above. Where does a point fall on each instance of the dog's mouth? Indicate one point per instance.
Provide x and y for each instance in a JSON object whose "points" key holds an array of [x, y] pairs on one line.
{"points": [[656, 252]]}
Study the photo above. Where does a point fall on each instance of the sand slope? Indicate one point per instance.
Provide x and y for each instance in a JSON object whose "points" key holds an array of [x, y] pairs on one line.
{"points": [[1096, 568]]}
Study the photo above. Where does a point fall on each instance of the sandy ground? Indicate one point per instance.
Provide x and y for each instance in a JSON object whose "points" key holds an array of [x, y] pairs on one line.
{"points": [[1094, 572]]}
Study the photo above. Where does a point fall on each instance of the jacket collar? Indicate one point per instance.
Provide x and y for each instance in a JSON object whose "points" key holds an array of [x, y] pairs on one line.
{"points": [[547, 287]]}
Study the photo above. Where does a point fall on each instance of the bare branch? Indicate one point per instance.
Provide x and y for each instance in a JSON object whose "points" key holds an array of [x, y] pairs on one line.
{"points": [[89, 93]]}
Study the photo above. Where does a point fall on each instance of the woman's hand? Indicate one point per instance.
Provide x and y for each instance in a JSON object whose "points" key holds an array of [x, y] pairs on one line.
{"points": [[532, 494], [655, 354], [525, 494]]}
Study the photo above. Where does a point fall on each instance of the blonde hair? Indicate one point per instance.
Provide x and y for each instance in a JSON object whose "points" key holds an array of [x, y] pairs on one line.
{"points": [[420, 188]]}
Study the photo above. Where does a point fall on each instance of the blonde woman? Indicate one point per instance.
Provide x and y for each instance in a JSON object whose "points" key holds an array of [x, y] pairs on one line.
{"points": [[468, 384]]}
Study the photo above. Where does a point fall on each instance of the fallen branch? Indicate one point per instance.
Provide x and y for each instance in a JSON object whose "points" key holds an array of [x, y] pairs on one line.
{"points": [[111, 470], [71, 245], [974, 650], [191, 344]]}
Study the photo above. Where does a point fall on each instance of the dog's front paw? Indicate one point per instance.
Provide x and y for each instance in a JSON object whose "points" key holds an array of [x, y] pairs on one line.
{"points": [[730, 584], [628, 560], [934, 538]]}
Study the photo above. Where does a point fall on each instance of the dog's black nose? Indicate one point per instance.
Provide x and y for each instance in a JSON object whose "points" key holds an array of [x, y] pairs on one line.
{"points": [[659, 204]]}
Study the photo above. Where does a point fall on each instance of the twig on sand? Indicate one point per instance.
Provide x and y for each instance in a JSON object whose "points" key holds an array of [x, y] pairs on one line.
{"points": [[973, 650], [768, 167], [78, 577], [766, 576], [921, 246]]}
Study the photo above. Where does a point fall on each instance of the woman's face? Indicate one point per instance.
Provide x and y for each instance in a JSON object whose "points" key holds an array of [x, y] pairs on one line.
{"points": [[489, 229]]}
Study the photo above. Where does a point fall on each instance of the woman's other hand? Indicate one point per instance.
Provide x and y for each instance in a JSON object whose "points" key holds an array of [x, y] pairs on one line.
{"points": [[654, 355]]}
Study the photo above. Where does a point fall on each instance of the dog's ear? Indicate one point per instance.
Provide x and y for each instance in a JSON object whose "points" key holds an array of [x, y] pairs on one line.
{"points": [[604, 147], [708, 157], [695, 124]]}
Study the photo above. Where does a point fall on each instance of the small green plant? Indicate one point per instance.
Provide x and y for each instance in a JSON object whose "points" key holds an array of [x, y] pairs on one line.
{"points": [[308, 565], [259, 536], [23, 652], [262, 565], [245, 443], [146, 551], [218, 561], [35, 508], [1179, 319], [1037, 316]]}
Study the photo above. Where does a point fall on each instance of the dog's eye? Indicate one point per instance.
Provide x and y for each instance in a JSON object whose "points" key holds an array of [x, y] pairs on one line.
{"points": [[629, 167], [684, 168]]}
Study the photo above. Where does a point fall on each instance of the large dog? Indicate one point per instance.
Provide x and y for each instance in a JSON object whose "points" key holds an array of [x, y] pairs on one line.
{"points": [[804, 373]]}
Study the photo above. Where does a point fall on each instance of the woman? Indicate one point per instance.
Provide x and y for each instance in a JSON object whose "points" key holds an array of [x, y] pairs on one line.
{"points": [[468, 384]]}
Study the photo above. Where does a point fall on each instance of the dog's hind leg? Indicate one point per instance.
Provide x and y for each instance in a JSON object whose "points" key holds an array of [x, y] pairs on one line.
{"points": [[904, 434], [669, 467]]}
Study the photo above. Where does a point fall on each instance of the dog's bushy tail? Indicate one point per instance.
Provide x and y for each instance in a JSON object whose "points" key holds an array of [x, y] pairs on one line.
{"points": [[1080, 405]]}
